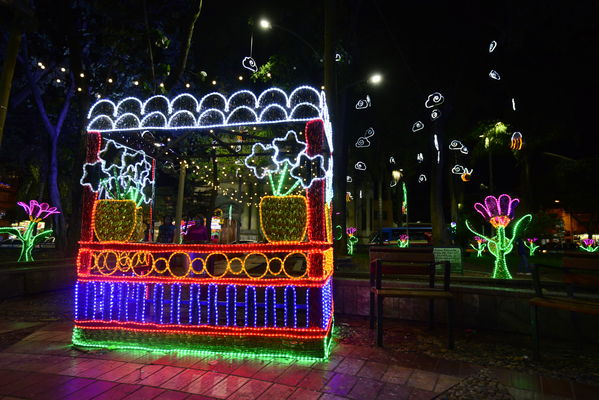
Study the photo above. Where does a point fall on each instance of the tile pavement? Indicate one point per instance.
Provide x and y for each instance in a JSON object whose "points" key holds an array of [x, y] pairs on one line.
{"points": [[44, 366]]}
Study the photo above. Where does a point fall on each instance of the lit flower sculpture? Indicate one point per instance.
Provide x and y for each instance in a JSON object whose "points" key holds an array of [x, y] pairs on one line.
{"points": [[403, 241], [480, 245], [499, 212], [29, 238], [532, 247], [589, 245], [351, 240]]}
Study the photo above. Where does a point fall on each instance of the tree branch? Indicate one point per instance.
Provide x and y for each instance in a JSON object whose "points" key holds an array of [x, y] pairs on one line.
{"points": [[181, 62]]}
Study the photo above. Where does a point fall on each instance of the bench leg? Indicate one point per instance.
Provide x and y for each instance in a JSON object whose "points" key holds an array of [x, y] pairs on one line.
{"points": [[431, 313], [450, 324], [575, 323], [372, 316], [379, 321], [534, 328]]}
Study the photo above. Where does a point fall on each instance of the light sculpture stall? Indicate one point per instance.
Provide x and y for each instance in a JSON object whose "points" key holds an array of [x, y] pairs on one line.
{"points": [[141, 296]]}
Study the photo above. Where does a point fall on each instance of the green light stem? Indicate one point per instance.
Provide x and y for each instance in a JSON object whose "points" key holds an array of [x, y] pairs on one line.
{"points": [[502, 247], [589, 249], [531, 248], [28, 240], [282, 177], [351, 242], [292, 188], [480, 248]]}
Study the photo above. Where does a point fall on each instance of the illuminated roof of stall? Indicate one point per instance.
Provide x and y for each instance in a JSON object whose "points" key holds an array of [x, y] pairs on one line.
{"points": [[214, 110]]}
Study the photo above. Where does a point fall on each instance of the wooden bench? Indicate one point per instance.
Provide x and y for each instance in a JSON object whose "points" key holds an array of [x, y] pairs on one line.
{"points": [[575, 272], [409, 261]]}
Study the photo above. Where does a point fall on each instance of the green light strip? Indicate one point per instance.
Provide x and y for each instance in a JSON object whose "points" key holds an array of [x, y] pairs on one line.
{"points": [[113, 345]]}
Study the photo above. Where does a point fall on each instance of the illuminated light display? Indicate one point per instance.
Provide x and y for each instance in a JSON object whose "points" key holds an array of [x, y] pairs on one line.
{"points": [[348, 197], [433, 100], [362, 104], [403, 241], [481, 244], [351, 240], [494, 75], [456, 145], [466, 176], [516, 141], [363, 140], [499, 212], [436, 142], [464, 150], [421, 178], [435, 114], [249, 63], [211, 111], [588, 245], [461, 170], [513, 104], [349, 179], [419, 157], [530, 244], [120, 173], [254, 299], [360, 166], [391, 160], [417, 126], [284, 218], [404, 200], [29, 237], [492, 46]]}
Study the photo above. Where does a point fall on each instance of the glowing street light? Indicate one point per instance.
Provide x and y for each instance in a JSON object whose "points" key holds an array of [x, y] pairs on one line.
{"points": [[265, 24], [375, 79]]}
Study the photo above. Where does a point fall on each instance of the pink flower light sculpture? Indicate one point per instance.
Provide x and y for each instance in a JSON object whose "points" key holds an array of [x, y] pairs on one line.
{"points": [[29, 237], [589, 245], [37, 211], [498, 211]]}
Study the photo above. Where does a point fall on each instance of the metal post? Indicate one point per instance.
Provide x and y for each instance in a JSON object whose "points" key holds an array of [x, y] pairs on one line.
{"points": [[180, 195]]}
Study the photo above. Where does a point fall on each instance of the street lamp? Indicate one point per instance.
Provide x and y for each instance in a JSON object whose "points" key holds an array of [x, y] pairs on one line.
{"points": [[265, 24], [375, 79]]}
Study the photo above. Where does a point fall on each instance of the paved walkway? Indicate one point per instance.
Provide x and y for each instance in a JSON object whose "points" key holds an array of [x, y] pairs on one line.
{"points": [[42, 365]]}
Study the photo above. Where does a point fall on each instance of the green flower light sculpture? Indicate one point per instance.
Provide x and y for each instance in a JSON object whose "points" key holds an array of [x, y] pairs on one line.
{"points": [[499, 212], [530, 244], [351, 240], [481, 244], [589, 245], [403, 241], [29, 238]]}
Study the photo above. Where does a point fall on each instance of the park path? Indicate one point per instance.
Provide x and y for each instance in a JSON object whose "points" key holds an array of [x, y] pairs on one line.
{"points": [[43, 365]]}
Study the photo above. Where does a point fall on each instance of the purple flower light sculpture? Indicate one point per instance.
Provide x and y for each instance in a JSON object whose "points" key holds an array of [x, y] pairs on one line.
{"points": [[37, 212]]}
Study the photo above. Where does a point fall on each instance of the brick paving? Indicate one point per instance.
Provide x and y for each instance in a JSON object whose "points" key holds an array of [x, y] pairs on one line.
{"points": [[43, 365]]}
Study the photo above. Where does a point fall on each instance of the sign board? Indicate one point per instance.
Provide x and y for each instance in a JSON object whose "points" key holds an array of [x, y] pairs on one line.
{"points": [[451, 254]]}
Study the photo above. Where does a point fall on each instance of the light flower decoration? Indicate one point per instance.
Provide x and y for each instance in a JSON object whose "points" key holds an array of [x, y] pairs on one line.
{"points": [[499, 212], [285, 156], [481, 244], [589, 245], [351, 240], [530, 244], [120, 173], [403, 241], [29, 238]]}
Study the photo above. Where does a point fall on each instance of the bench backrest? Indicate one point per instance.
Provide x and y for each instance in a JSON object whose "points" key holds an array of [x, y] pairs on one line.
{"points": [[386, 260], [576, 271]]}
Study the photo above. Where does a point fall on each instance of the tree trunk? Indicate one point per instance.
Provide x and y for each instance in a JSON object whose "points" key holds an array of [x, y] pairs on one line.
{"points": [[440, 237], [59, 219]]}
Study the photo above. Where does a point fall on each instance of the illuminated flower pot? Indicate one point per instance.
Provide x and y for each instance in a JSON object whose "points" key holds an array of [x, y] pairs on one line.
{"points": [[283, 218], [116, 220]]}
